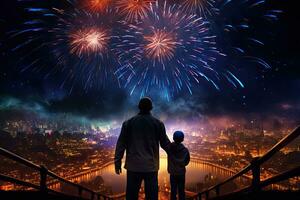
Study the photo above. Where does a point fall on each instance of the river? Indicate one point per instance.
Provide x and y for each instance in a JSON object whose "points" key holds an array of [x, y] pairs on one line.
{"points": [[199, 175]]}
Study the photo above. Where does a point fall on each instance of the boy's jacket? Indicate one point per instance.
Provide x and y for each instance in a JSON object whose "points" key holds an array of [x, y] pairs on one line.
{"points": [[178, 158]]}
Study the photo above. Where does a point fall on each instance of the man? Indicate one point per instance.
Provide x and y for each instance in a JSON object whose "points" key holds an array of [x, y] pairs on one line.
{"points": [[140, 138]]}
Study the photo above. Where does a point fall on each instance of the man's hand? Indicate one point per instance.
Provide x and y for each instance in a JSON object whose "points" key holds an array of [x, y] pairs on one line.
{"points": [[118, 169]]}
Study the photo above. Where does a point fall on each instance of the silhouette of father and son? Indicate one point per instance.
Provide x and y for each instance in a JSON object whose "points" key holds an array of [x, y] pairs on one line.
{"points": [[140, 137]]}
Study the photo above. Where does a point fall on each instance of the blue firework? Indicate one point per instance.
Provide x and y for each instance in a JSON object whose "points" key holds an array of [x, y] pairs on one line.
{"points": [[243, 29], [169, 50]]}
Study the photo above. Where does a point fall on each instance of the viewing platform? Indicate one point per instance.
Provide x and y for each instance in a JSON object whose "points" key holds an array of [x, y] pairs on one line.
{"points": [[245, 184]]}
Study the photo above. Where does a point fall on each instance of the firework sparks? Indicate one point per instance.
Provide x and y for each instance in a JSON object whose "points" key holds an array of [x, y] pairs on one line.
{"points": [[246, 47], [165, 45], [203, 7], [80, 43], [89, 41], [161, 45], [91, 38], [97, 5], [134, 10], [172, 53]]}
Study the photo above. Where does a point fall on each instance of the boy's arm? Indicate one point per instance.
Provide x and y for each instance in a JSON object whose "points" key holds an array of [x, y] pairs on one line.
{"points": [[187, 158]]}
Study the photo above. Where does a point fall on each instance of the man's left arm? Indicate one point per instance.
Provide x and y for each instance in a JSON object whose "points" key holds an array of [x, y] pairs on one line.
{"points": [[120, 149], [163, 138]]}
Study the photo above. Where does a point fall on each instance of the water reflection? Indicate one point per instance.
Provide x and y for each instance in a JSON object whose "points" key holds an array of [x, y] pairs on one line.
{"points": [[199, 176]]}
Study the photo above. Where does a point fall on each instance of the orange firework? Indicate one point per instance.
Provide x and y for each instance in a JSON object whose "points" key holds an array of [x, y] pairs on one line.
{"points": [[88, 41], [202, 6], [98, 5], [134, 9], [160, 45]]}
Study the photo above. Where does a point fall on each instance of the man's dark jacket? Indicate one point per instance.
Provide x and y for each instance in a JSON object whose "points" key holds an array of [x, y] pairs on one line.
{"points": [[140, 137]]}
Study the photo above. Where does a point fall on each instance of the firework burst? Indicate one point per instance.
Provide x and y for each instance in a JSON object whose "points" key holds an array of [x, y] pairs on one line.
{"points": [[97, 5], [169, 50], [91, 40], [134, 10], [81, 43], [160, 45]]}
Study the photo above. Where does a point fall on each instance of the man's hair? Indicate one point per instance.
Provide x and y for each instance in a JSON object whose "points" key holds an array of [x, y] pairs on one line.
{"points": [[178, 136], [145, 104]]}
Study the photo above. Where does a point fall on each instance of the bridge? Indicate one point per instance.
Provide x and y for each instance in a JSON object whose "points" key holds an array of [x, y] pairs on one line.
{"points": [[217, 192]]}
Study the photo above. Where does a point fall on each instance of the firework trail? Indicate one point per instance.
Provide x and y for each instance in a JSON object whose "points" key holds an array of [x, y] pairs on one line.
{"points": [[134, 10], [81, 43], [237, 26], [169, 50], [201, 7]]}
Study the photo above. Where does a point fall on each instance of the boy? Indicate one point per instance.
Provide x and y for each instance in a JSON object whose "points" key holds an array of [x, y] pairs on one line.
{"points": [[178, 158]]}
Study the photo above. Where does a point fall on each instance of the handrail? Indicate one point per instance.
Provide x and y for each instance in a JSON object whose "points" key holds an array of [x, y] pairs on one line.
{"points": [[24, 183], [254, 166], [281, 177], [18, 181], [18, 159], [44, 172], [240, 173], [282, 143]]}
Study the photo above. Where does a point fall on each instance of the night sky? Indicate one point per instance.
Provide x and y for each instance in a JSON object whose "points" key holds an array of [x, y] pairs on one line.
{"points": [[268, 93]]}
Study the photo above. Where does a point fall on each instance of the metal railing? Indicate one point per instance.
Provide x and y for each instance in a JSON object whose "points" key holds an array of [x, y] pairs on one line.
{"points": [[255, 167], [44, 173]]}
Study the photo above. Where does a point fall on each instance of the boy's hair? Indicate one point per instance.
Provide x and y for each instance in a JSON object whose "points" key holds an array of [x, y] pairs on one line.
{"points": [[178, 136]]}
